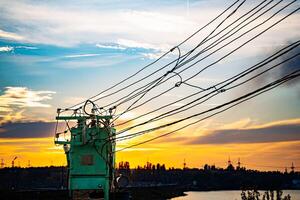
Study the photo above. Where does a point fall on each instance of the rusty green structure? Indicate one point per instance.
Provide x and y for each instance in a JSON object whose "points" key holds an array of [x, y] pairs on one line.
{"points": [[89, 153]]}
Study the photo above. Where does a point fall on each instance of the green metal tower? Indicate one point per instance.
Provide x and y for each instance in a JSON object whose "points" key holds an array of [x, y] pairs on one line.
{"points": [[89, 153]]}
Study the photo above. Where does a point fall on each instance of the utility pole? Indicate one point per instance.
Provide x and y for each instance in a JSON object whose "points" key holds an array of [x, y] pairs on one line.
{"points": [[89, 152], [184, 164]]}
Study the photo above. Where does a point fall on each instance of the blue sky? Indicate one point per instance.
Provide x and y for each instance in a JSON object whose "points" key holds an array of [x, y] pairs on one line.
{"points": [[55, 54]]}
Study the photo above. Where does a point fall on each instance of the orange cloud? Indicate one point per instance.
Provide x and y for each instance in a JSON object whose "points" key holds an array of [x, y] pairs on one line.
{"points": [[276, 143], [15, 100], [173, 150]]}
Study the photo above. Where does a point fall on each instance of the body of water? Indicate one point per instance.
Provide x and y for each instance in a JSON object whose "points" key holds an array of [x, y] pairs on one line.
{"points": [[228, 195]]}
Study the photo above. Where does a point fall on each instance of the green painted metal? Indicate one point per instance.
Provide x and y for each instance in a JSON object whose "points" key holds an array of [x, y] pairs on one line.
{"points": [[88, 153]]}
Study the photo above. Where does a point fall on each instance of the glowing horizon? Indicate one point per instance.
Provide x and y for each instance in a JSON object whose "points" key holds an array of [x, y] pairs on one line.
{"points": [[54, 56]]}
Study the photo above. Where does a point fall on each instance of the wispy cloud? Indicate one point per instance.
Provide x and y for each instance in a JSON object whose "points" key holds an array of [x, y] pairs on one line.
{"points": [[24, 97], [10, 35], [26, 47], [153, 51], [152, 56], [12, 48], [123, 44], [277, 132], [6, 49], [115, 47], [241, 132], [48, 24], [82, 55], [137, 44], [14, 100], [133, 27]]}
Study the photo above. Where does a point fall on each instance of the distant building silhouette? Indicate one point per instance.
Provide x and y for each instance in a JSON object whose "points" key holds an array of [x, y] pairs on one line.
{"points": [[13, 162], [292, 168], [230, 167], [2, 163], [238, 164]]}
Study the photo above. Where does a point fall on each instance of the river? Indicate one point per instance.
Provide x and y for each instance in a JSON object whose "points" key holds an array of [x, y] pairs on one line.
{"points": [[227, 195]]}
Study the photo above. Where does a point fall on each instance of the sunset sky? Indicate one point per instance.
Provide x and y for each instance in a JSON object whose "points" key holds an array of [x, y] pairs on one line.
{"points": [[56, 54]]}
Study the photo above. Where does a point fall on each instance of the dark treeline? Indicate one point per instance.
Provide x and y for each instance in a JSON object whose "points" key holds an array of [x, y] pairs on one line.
{"points": [[33, 178], [150, 175], [209, 177]]}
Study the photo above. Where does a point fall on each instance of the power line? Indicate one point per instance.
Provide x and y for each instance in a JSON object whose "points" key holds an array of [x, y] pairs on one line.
{"points": [[231, 52], [190, 104], [277, 22], [206, 38], [203, 51], [186, 83], [217, 92], [145, 67], [218, 41], [239, 100], [208, 56], [234, 78], [158, 80], [168, 72], [185, 59]]}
